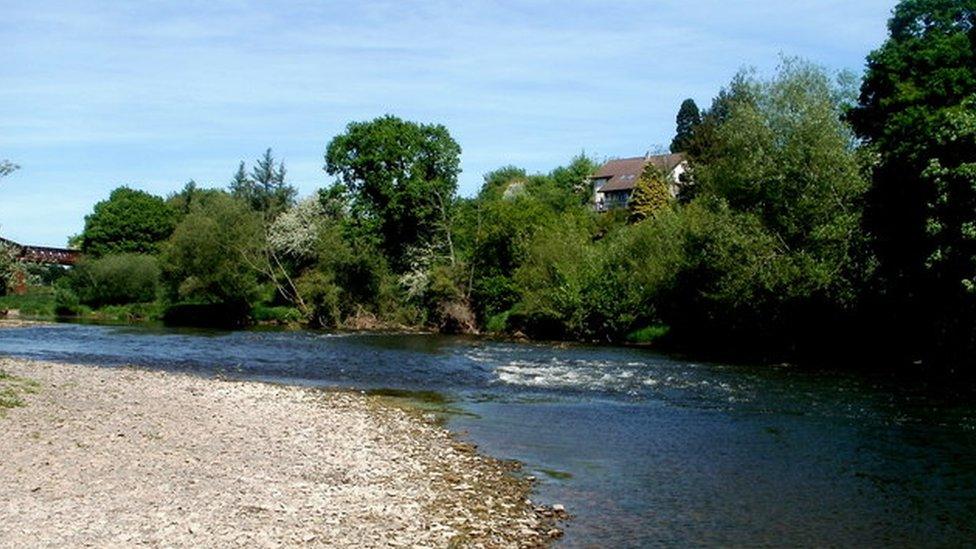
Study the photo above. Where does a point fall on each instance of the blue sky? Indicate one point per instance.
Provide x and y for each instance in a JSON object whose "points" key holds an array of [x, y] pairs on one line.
{"points": [[150, 94]]}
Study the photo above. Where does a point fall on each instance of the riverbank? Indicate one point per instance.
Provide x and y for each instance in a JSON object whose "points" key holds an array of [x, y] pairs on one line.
{"points": [[123, 456]]}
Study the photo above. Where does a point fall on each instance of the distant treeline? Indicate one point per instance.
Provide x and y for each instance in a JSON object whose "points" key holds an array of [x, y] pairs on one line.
{"points": [[824, 215]]}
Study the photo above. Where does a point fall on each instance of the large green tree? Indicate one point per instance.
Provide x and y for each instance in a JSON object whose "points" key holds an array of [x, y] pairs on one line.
{"points": [[130, 221], [776, 250], [916, 114], [402, 177], [689, 118], [212, 255]]}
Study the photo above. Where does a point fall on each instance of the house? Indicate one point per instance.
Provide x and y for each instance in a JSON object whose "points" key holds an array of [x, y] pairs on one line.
{"points": [[614, 182]]}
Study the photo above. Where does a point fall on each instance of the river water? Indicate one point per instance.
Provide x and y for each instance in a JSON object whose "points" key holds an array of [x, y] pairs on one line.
{"points": [[643, 449]]}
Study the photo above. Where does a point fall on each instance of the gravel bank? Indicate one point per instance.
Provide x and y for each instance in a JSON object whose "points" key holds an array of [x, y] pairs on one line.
{"points": [[123, 457]]}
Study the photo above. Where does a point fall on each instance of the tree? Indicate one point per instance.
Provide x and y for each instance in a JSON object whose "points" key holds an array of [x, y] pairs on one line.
{"points": [[8, 267], [7, 168], [784, 154], [208, 259], [776, 252], [265, 188], [652, 194], [115, 280], [401, 175], [689, 118], [575, 177], [914, 113], [130, 221]]}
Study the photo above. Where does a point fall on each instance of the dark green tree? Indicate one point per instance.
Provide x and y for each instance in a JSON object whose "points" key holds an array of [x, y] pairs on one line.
{"points": [[915, 114], [130, 221], [265, 188], [689, 118], [402, 177]]}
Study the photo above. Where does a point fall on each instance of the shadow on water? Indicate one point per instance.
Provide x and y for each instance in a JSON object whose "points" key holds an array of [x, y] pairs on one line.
{"points": [[643, 449]]}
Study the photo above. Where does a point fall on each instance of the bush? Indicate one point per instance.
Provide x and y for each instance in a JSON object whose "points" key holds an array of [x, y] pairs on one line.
{"points": [[211, 257], [38, 301], [66, 302], [276, 315], [116, 280]]}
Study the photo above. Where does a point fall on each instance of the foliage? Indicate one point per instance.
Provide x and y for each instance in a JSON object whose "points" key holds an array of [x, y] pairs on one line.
{"points": [[349, 277], [784, 156], [688, 119], [648, 334], [115, 280], [8, 266], [264, 188], [651, 195], [209, 258], [7, 168], [130, 221], [915, 115], [575, 177], [37, 302], [401, 175], [294, 233]]}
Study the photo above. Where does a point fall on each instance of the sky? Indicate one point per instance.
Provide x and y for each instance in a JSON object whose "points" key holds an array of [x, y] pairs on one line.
{"points": [[151, 94]]}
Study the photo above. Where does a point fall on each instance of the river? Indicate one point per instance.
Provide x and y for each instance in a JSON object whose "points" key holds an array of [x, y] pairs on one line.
{"points": [[641, 448]]}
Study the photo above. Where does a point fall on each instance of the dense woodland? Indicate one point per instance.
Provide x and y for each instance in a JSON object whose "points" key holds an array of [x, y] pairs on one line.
{"points": [[826, 215]]}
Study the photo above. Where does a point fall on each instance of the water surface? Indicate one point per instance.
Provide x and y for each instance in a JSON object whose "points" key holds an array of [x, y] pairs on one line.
{"points": [[643, 449]]}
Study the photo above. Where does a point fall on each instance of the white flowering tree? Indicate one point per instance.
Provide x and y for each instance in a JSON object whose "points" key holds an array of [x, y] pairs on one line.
{"points": [[293, 234]]}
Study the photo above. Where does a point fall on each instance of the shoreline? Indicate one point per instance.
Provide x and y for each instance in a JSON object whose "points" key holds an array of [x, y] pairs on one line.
{"points": [[110, 456]]}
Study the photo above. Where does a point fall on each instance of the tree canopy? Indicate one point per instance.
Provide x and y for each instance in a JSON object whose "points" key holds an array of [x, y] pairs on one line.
{"points": [[401, 175], [915, 114], [689, 118], [129, 221], [264, 188]]}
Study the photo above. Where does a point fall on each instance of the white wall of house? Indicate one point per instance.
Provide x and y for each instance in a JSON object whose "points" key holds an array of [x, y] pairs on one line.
{"points": [[675, 177]]}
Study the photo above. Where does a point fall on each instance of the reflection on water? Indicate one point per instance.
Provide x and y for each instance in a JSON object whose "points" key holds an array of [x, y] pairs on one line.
{"points": [[642, 448]]}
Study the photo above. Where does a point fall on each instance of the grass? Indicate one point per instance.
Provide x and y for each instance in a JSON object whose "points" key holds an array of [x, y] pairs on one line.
{"points": [[426, 397], [12, 390], [276, 315], [648, 334], [554, 474], [498, 323], [38, 301]]}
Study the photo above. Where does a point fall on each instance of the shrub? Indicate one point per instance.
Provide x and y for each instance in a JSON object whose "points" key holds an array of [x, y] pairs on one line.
{"points": [[211, 257], [116, 280]]}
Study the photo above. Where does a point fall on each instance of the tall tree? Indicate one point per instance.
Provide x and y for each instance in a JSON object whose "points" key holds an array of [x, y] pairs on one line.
{"points": [[915, 114], [402, 177], [130, 221], [651, 194], [265, 188], [689, 118], [784, 157]]}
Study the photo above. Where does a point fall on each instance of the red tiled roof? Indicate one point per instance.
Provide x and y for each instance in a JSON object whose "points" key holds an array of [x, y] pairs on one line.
{"points": [[622, 174]]}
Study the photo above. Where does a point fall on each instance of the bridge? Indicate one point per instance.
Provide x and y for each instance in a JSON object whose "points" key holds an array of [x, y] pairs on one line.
{"points": [[42, 254]]}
